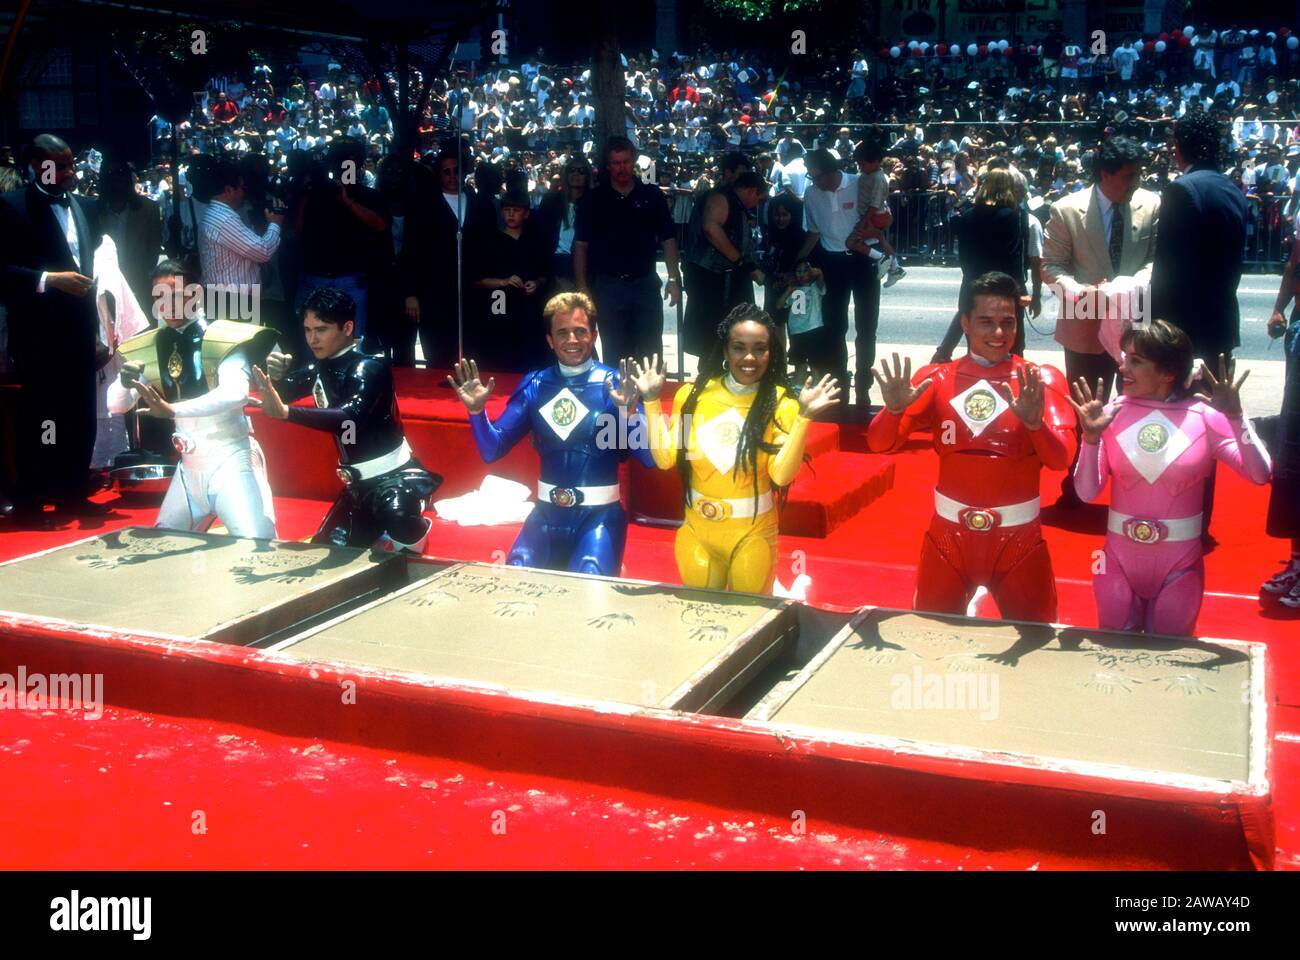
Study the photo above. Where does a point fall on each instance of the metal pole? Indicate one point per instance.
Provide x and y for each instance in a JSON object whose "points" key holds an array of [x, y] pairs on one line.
{"points": [[462, 214]]}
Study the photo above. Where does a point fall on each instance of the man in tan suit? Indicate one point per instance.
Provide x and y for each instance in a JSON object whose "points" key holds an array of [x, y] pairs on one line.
{"points": [[1097, 252]]}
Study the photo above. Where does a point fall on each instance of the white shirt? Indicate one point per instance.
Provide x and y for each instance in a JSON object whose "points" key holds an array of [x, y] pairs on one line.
{"points": [[69, 225], [456, 203], [832, 213]]}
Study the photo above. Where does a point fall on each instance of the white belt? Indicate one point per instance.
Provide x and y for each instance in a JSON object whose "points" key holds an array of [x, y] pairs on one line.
{"points": [[369, 469], [716, 508], [577, 496], [983, 519], [1141, 530]]}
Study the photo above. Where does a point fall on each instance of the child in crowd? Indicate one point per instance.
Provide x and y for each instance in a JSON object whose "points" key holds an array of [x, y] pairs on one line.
{"points": [[873, 197], [803, 296]]}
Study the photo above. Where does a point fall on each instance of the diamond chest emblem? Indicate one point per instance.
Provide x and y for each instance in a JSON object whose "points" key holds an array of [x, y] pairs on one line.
{"points": [[978, 406], [563, 412], [719, 439], [318, 394], [1152, 444]]}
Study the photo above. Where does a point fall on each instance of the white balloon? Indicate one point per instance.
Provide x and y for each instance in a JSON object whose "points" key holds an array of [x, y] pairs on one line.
{"points": [[972, 49], [1292, 42], [955, 49], [1187, 32], [925, 45], [895, 52], [913, 44], [1003, 44], [1161, 46]]}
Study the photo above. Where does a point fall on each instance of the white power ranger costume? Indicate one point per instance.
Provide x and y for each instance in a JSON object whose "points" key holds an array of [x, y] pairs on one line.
{"points": [[222, 472]]}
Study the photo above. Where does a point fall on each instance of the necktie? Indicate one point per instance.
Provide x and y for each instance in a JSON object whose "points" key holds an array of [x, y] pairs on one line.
{"points": [[1116, 236]]}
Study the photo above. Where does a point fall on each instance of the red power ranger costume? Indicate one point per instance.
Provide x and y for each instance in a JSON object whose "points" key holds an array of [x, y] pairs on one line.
{"points": [[985, 530]]}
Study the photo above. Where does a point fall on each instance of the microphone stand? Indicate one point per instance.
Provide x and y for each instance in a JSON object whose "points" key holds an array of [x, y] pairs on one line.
{"points": [[462, 214]]}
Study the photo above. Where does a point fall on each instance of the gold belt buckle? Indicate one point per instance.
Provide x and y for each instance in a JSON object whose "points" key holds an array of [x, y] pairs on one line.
{"points": [[1144, 531], [712, 509], [981, 521]]}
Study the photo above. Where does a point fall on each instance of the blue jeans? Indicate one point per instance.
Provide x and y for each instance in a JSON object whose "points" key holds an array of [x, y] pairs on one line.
{"points": [[353, 284]]}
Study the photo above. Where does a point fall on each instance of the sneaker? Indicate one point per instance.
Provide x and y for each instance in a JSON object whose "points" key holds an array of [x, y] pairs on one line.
{"points": [[1282, 583], [895, 274], [1291, 599]]}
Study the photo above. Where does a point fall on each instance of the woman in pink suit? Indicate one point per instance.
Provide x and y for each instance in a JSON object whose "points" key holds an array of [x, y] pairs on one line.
{"points": [[1157, 444]]}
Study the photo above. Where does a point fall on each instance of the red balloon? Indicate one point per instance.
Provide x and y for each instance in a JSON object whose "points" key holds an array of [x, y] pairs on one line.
{"points": [[884, 52], [1185, 40], [1149, 46], [941, 50], [1284, 32], [1033, 50], [984, 49], [916, 51], [1164, 37], [1008, 52]]}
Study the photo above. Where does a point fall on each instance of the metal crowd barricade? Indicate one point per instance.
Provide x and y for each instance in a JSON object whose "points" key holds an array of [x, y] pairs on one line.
{"points": [[922, 229], [1270, 229]]}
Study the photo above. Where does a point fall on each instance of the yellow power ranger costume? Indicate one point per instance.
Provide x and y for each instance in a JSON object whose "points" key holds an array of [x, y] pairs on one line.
{"points": [[728, 541]]}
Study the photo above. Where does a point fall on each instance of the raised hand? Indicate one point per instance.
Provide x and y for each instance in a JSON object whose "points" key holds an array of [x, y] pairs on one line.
{"points": [[1091, 408], [1028, 406], [155, 404], [130, 373], [1225, 396], [896, 388], [627, 393], [471, 390], [277, 364], [813, 399], [648, 375], [271, 403]]}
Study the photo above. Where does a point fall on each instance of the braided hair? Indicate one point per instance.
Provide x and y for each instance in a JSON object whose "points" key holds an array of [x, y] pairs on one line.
{"points": [[763, 410]]}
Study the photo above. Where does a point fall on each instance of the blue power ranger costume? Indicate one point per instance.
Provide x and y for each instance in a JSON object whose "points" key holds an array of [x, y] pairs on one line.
{"points": [[581, 436]]}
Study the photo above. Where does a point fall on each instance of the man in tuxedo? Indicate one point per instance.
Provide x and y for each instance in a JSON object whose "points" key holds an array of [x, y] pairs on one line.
{"points": [[1199, 251], [47, 250], [426, 267], [1097, 249]]}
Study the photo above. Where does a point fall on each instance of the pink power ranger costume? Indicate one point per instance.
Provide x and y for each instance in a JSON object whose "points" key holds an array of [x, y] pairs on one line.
{"points": [[1158, 454]]}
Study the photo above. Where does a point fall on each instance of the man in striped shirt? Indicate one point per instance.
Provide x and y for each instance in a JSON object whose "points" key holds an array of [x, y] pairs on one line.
{"points": [[229, 251]]}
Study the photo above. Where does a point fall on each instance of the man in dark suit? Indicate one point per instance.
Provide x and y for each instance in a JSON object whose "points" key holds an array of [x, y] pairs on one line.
{"points": [[47, 251], [1197, 261], [426, 267]]}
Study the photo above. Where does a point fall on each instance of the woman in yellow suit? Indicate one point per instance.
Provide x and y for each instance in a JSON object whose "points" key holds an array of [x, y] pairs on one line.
{"points": [[736, 433]]}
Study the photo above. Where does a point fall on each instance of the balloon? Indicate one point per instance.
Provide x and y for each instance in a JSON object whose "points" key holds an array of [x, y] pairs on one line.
{"points": [[912, 44], [1292, 42], [895, 52], [955, 49], [925, 45], [971, 50], [1004, 44], [1007, 51], [1187, 32], [1163, 36], [1161, 46], [918, 52], [941, 49], [1033, 50], [884, 52], [1149, 46], [983, 49]]}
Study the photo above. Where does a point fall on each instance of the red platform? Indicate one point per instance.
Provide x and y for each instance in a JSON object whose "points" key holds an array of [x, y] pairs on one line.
{"points": [[287, 778]]}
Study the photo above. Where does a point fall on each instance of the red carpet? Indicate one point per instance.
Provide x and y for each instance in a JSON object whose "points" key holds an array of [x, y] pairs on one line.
{"points": [[869, 557]]}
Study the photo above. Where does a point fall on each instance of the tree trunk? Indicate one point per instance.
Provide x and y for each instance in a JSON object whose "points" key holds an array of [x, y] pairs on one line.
{"points": [[607, 82]]}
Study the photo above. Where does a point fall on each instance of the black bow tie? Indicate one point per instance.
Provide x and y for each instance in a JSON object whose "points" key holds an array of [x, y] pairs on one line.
{"points": [[60, 199]]}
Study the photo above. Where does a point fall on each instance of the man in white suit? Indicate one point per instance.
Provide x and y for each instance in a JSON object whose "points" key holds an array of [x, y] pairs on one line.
{"points": [[1097, 252]]}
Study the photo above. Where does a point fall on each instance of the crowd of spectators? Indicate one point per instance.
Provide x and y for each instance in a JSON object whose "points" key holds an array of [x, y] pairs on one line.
{"points": [[315, 193]]}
